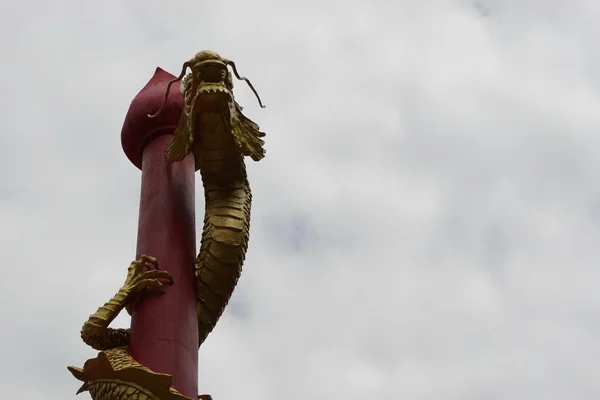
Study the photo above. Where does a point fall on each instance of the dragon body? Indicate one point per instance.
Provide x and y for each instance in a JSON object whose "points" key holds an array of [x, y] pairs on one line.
{"points": [[213, 128]]}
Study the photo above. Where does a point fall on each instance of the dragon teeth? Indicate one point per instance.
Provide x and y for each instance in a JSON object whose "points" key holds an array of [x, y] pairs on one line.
{"points": [[213, 89]]}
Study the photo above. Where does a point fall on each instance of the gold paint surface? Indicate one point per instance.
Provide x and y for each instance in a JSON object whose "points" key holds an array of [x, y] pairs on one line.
{"points": [[213, 128]]}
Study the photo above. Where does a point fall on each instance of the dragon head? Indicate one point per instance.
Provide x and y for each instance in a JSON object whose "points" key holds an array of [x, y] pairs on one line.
{"points": [[209, 86]]}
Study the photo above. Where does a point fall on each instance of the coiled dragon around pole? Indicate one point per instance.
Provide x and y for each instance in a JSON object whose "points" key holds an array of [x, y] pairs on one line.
{"points": [[214, 129]]}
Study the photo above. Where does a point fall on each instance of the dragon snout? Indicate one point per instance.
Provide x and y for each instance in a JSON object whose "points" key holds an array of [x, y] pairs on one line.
{"points": [[214, 84]]}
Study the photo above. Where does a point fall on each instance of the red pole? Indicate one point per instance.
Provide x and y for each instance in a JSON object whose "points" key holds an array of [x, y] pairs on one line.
{"points": [[164, 328]]}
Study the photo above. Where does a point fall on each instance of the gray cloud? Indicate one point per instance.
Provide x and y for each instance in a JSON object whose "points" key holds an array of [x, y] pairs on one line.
{"points": [[424, 224]]}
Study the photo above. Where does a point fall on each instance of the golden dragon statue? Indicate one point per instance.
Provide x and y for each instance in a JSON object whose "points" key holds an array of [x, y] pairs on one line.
{"points": [[214, 129]]}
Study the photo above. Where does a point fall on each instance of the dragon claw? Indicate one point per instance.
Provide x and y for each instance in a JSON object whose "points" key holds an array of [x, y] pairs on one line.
{"points": [[143, 276], [148, 261]]}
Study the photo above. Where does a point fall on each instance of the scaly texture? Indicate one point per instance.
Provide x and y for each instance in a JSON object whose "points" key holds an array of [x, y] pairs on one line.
{"points": [[114, 374], [214, 129], [219, 135]]}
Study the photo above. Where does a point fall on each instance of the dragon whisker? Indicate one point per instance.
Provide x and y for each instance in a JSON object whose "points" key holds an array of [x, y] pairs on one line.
{"points": [[242, 78], [183, 68]]}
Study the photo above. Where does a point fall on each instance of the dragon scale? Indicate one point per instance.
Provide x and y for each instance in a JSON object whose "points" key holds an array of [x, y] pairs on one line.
{"points": [[213, 128]]}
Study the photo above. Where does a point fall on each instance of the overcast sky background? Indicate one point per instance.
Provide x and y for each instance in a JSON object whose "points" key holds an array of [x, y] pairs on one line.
{"points": [[425, 224]]}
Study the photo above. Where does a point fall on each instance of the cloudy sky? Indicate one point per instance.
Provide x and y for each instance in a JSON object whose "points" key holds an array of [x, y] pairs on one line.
{"points": [[425, 222]]}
